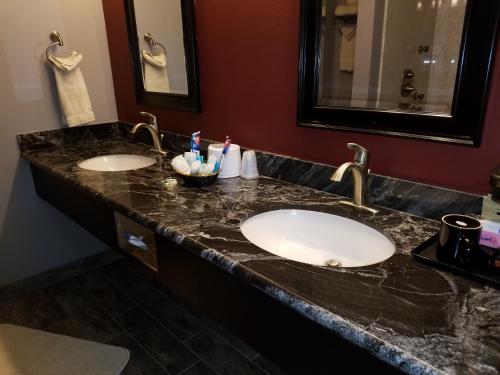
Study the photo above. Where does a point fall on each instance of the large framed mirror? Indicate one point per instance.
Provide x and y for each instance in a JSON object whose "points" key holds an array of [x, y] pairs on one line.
{"points": [[162, 38], [412, 68]]}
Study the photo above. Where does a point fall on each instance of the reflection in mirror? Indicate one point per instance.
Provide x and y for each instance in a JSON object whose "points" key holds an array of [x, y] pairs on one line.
{"points": [[394, 55], [161, 43]]}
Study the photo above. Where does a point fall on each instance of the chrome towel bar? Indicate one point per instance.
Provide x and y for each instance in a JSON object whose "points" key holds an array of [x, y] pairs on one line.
{"points": [[56, 39]]}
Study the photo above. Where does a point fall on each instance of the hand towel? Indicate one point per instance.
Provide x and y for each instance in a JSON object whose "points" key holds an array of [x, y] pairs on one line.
{"points": [[72, 91], [346, 10], [155, 72], [347, 47]]}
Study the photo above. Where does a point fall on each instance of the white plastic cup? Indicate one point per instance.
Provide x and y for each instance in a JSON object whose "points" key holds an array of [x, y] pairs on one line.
{"points": [[231, 166], [249, 165]]}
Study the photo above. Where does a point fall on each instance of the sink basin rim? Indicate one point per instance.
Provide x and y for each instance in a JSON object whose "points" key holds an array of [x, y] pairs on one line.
{"points": [[116, 162], [368, 246]]}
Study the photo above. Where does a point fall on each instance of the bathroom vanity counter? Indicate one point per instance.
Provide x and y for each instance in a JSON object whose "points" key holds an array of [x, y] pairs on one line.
{"points": [[419, 319]]}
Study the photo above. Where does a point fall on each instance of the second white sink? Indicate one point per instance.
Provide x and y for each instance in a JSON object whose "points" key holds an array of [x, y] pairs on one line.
{"points": [[317, 238], [116, 163]]}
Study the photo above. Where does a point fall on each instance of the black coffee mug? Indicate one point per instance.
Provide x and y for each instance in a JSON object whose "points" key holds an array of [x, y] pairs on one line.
{"points": [[458, 239]]}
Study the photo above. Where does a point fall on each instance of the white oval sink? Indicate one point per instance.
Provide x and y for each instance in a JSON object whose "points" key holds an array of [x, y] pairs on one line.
{"points": [[116, 163], [317, 238]]}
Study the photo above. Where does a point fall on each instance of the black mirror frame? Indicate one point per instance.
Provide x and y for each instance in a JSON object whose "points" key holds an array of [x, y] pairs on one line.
{"points": [[465, 125], [190, 102]]}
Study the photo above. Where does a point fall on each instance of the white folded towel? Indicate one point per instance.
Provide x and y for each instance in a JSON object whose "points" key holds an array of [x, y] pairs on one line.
{"points": [[73, 94], [155, 72], [346, 10]]}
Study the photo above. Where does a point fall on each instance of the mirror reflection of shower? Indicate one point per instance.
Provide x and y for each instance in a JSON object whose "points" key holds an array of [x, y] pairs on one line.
{"points": [[397, 55]]}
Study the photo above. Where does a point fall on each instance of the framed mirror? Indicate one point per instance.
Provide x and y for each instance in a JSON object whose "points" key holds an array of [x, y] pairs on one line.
{"points": [[162, 40], [411, 68]]}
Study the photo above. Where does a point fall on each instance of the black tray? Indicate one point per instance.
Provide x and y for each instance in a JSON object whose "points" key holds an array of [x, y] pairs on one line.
{"points": [[426, 253]]}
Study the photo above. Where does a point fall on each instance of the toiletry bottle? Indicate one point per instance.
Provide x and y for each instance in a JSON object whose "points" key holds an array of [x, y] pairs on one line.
{"points": [[491, 202], [196, 142]]}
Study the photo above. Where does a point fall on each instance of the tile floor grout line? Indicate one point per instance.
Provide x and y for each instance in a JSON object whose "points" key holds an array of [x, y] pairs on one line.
{"points": [[169, 331], [133, 338], [96, 303], [62, 305], [184, 341], [111, 314], [113, 318], [210, 327], [155, 319], [125, 330], [260, 367], [251, 361], [189, 367], [233, 346], [194, 335]]}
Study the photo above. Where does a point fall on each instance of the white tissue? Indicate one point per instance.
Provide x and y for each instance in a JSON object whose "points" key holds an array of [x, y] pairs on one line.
{"points": [[190, 157], [205, 170], [180, 164], [195, 167]]}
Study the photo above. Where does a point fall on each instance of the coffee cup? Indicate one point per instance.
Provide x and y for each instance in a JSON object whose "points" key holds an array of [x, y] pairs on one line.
{"points": [[458, 239]]}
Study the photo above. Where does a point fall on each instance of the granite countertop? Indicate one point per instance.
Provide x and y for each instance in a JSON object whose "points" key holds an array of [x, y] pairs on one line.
{"points": [[419, 319]]}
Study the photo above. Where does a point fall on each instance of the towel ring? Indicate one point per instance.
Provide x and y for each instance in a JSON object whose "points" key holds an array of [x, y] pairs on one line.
{"points": [[152, 42], [56, 39]]}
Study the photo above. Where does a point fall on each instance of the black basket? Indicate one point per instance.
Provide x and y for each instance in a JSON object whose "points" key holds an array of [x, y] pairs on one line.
{"points": [[198, 181]]}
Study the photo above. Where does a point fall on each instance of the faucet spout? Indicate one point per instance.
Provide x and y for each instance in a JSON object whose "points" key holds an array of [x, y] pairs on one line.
{"points": [[359, 170], [154, 134], [359, 189], [339, 172], [137, 127]]}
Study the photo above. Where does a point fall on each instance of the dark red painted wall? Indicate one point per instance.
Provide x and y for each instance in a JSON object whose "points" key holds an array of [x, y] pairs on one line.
{"points": [[248, 67]]}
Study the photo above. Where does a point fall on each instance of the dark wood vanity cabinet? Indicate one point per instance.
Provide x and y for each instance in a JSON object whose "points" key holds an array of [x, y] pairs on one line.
{"points": [[290, 340], [82, 208]]}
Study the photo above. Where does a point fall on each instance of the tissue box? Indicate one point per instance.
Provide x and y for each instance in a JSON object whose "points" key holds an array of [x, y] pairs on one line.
{"points": [[490, 234]]}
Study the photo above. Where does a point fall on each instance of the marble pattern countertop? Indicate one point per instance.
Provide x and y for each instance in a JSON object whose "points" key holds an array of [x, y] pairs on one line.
{"points": [[417, 318]]}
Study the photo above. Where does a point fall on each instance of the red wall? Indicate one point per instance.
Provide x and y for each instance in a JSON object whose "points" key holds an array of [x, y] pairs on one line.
{"points": [[248, 53]]}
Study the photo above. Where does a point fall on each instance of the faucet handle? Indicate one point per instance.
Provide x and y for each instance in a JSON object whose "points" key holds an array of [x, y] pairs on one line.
{"points": [[151, 118], [361, 156]]}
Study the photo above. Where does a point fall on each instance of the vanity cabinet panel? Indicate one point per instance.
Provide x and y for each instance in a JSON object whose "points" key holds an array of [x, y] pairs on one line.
{"points": [[82, 208]]}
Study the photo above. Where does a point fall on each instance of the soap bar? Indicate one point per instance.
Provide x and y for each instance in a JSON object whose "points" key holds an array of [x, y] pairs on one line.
{"points": [[490, 234]]}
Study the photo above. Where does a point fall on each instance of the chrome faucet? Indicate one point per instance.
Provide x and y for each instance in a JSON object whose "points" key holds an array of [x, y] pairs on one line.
{"points": [[360, 172], [152, 127]]}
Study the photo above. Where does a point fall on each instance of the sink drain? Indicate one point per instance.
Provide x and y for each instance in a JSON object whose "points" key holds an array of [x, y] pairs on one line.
{"points": [[334, 263]]}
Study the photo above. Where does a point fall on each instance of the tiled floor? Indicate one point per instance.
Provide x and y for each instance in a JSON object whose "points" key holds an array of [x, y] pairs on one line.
{"points": [[117, 304]]}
